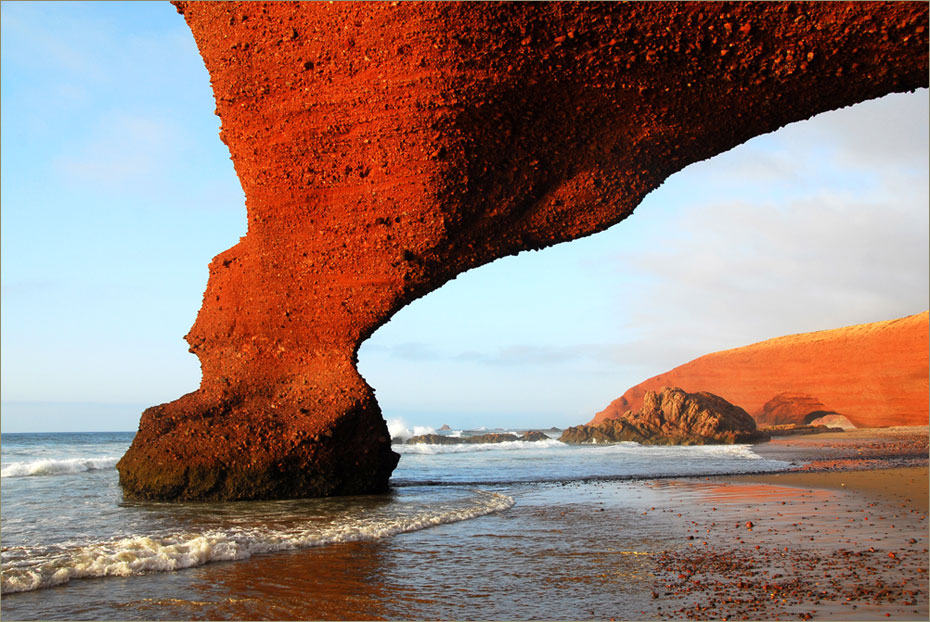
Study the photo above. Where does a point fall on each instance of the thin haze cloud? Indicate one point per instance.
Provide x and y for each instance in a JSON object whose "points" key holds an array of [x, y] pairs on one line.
{"points": [[125, 149]]}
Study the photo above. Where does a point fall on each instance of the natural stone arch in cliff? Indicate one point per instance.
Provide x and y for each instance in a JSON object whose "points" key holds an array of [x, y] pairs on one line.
{"points": [[470, 354], [817, 414], [385, 148]]}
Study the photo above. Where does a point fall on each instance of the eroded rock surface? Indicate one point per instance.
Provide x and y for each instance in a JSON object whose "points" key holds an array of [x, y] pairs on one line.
{"points": [[790, 409], [384, 148], [673, 417], [874, 374]]}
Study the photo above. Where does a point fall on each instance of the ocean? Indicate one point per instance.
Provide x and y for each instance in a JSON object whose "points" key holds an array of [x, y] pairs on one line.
{"points": [[73, 548]]}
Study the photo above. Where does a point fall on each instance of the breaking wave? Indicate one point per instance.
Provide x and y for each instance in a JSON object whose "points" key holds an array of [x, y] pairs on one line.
{"points": [[469, 447], [57, 467], [32, 568], [400, 431]]}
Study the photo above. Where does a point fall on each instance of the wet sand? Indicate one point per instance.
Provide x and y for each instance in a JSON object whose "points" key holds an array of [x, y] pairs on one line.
{"points": [[843, 536], [801, 549], [890, 463], [822, 542], [900, 485]]}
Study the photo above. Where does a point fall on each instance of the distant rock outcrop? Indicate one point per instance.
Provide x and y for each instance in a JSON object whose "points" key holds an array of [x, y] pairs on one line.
{"points": [[493, 437], [673, 417], [436, 439], [873, 374]]}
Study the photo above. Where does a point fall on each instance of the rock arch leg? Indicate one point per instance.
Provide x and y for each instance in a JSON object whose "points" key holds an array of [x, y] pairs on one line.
{"points": [[384, 149]]}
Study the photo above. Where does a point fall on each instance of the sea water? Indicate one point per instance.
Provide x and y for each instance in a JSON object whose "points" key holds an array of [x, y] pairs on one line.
{"points": [[64, 519]]}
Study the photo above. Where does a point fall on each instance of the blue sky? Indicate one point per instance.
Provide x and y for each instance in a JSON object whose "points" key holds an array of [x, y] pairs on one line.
{"points": [[117, 192]]}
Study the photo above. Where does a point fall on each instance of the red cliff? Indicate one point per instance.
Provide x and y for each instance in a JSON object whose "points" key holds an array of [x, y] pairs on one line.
{"points": [[873, 374], [384, 148]]}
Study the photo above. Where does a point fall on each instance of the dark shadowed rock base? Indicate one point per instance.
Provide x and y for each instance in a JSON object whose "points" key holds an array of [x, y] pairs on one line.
{"points": [[280, 457]]}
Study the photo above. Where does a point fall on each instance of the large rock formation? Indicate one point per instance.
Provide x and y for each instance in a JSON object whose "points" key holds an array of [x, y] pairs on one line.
{"points": [[673, 417], [386, 147], [873, 374]]}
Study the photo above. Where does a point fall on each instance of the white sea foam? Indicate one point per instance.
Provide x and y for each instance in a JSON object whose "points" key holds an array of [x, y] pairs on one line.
{"points": [[31, 568], [57, 467], [552, 461], [422, 448], [400, 431], [628, 448], [673, 455]]}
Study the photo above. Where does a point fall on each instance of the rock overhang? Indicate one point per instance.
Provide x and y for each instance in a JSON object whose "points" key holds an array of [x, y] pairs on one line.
{"points": [[386, 147]]}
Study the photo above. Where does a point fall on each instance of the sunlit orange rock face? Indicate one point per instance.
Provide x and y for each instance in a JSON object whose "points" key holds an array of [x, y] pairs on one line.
{"points": [[385, 148], [873, 374]]}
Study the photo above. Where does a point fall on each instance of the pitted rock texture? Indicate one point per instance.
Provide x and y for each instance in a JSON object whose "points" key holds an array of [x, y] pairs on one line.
{"points": [[673, 417], [875, 375], [385, 148]]}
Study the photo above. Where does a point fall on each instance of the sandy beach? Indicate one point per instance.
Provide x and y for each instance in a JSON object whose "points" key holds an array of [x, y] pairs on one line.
{"points": [[843, 536]]}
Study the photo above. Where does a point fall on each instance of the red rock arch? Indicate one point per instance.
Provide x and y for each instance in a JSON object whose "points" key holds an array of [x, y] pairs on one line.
{"points": [[385, 148]]}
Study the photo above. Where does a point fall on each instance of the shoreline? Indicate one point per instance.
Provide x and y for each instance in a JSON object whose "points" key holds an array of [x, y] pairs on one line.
{"points": [[883, 444], [886, 463], [898, 485], [842, 534]]}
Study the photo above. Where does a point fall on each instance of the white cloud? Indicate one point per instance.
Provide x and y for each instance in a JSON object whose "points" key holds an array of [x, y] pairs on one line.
{"points": [[886, 133], [744, 272], [60, 46]]}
